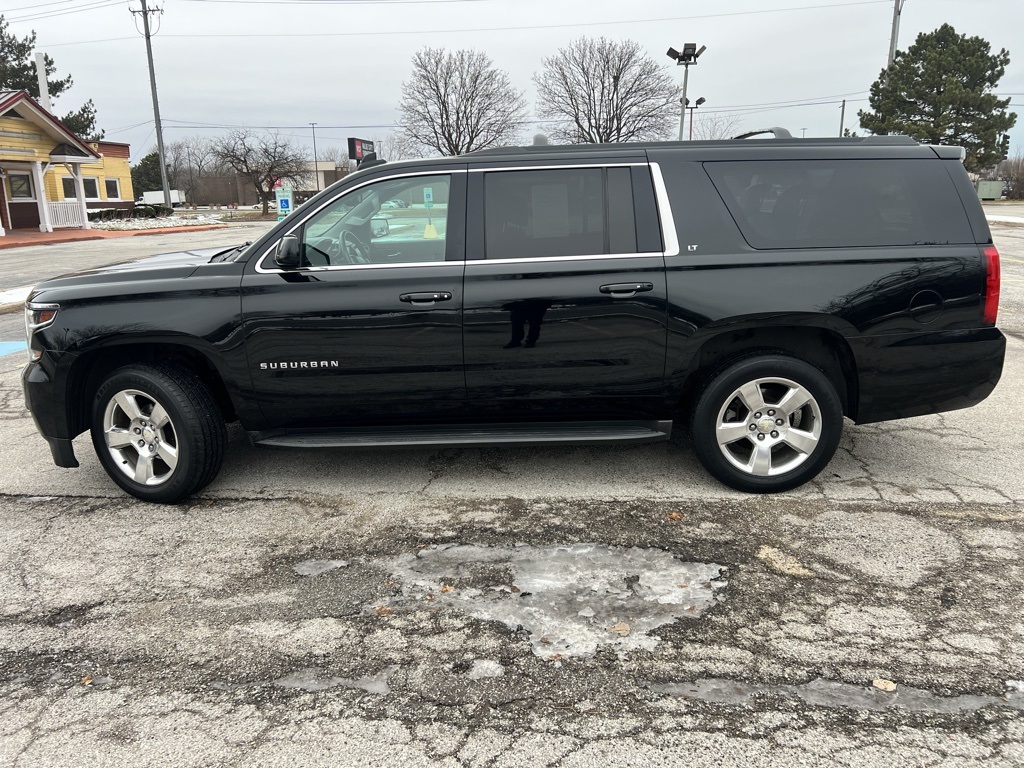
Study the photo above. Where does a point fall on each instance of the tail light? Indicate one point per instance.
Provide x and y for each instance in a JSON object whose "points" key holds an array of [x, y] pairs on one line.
{"points": [[991, 285]]}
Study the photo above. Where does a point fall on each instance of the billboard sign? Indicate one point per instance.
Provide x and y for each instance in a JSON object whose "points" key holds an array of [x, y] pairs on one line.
{"points": [[359, 148]]}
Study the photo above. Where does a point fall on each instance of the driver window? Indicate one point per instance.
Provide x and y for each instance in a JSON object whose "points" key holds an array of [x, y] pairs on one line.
{"points": [[398, 221]]}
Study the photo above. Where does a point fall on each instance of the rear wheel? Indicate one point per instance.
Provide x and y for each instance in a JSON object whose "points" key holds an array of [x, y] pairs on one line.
{"points": [[767, 424], [158, 432]]}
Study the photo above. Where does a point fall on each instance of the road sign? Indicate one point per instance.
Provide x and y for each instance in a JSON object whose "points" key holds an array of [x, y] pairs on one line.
{"points": [[428, 197], [284, 202]]}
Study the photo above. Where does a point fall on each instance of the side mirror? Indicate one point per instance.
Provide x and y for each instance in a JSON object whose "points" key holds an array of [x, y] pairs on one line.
{"points": [[379, 227], [289, 252]]}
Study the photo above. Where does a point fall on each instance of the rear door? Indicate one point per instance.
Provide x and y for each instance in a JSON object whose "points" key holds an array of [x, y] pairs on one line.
{"points": [[565, 299]]}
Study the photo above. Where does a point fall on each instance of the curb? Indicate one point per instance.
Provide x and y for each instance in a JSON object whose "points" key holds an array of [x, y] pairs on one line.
{"points": [[110, 234]]}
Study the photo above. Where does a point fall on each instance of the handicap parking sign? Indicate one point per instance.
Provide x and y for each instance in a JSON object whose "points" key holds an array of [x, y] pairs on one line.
{"points": [[285, 204]]}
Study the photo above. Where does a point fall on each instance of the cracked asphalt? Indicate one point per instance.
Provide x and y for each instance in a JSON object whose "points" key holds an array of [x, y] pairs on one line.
{"points": [[136, 634]]}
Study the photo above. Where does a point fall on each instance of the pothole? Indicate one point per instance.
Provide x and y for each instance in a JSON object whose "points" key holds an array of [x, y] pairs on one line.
{"points": [[570, 599]]}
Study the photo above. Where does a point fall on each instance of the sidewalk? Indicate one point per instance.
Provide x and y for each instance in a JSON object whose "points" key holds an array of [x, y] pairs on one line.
{"points": [[19, 238]]}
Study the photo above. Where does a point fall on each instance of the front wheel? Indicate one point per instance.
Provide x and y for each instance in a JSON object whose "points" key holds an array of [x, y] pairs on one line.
{"points": [[158, 432], [767, 424]]}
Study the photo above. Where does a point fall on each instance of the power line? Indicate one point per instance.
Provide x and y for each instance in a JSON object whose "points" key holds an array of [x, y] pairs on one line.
{"points": [[529, 27], [36, 5], [53, 13], [336, 2]]}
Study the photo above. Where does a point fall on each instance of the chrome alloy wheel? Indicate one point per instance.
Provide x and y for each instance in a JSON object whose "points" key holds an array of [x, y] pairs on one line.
{"points": [[140, 437], [769, 426]]}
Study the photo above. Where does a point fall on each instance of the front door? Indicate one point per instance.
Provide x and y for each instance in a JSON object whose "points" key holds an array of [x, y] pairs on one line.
{"points": [[369, 328], [565, 294]]}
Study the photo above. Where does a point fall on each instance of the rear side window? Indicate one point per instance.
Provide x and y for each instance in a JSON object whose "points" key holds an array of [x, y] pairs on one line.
{"points": [[842, 203], [548, 213]]}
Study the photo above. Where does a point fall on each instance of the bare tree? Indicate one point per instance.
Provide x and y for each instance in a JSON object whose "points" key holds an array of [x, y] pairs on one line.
{"points": [[715, 125], [189, 160], [601, 91], [396, 146], [458, 102], [263, 159], [334, 154], [1012, 171]]}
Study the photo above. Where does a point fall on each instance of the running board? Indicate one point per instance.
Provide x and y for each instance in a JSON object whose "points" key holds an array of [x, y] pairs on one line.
{"points": [[576, 432]]}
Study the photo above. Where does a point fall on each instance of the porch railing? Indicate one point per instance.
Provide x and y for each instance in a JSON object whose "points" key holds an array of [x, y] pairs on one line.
{"points": [[65, 214]]}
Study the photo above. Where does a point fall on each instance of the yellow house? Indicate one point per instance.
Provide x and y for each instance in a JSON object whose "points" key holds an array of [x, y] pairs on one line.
{"points": [[51, 178]]}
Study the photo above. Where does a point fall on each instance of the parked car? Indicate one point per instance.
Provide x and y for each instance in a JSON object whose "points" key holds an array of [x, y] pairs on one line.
{"points": [[271, 206], [760, 291]]}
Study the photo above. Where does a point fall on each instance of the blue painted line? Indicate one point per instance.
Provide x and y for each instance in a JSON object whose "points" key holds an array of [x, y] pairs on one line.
{"points": [[10, 347]]}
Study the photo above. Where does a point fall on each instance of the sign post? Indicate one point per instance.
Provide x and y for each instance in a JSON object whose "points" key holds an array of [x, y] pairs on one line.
{"points": [[284, 201]]}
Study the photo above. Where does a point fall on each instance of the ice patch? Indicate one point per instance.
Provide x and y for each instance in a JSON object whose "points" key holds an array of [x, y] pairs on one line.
{"points": [[833, 694], [307, 680], [571, 599], [485, 668], [316, 567]]}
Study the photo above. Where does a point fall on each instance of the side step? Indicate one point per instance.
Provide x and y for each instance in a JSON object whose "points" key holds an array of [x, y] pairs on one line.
{"points": [[532, 433]]}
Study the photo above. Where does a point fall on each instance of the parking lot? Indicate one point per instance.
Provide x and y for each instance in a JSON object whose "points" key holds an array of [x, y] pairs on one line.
{"points": [[574, 606]]}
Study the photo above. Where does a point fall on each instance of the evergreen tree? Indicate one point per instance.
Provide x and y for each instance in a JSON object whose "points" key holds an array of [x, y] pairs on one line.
{"points": [[18, 65], [82, 122], [146, 175], [941, 91], [18, 73]]}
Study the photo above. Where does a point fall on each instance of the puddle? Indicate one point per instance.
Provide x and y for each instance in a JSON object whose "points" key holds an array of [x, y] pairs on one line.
{"points": [[571, 599], [316, 567], [307, 680], [829, 693]]}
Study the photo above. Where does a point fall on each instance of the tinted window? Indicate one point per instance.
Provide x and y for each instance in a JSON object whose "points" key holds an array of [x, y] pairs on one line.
{"points": [[837, 203], [621, 218], [397, 221], [544, 213]]}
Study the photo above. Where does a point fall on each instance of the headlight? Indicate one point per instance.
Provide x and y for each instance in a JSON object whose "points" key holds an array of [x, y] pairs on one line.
{"points": [[37, 316]]}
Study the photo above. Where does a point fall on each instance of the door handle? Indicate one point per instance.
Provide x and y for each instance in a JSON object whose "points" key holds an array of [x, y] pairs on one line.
{"points": [[425, 298], [625, 290]]}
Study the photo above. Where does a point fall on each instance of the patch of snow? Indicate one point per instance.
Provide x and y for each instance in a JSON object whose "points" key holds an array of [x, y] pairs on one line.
{"points": [[124, 225], [571, 599]]}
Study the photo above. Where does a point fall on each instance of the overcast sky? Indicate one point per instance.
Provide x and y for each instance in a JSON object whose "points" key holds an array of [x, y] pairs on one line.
{"points": [[341, 63]]}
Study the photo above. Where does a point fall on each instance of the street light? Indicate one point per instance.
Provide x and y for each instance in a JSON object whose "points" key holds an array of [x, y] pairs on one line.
{"points": [[688, 56], [696, 104], [316, 168]]}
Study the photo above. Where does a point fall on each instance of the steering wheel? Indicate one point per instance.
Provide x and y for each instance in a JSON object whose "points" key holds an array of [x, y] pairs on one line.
{"points": [[353, 250]]}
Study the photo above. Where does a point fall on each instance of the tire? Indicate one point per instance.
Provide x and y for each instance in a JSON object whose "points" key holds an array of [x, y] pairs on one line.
{"points": [[736, 427], [183, 444]]}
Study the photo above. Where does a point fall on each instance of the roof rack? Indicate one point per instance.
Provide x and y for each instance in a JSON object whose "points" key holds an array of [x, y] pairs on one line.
{"points": [[778, 133]]}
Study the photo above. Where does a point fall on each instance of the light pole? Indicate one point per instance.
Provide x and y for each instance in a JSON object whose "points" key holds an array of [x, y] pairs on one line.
{"points": [[316, 168], [689, 56], [696, 104]]}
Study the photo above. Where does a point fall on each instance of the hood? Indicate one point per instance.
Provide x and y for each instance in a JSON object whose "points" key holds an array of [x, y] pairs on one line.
{"points": [[163, 266]]}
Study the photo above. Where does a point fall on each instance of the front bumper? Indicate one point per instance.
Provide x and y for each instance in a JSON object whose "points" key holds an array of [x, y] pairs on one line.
{"points": [[45, 399]]}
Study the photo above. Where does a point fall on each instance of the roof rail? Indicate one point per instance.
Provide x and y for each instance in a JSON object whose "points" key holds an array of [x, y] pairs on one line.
{"points": [[778, 133]]}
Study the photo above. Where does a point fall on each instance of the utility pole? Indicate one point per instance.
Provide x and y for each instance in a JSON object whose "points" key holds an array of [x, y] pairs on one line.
{"points": [[316, 168], [897, 9], [156, 104], [842, 119]]}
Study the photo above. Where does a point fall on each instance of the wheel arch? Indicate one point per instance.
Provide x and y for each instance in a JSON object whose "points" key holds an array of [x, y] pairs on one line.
{"points": [[824, 348], [93, 367]]}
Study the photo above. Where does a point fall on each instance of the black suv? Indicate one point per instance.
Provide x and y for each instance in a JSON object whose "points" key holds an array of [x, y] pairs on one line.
{"points": [[759, 289]]}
